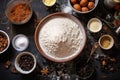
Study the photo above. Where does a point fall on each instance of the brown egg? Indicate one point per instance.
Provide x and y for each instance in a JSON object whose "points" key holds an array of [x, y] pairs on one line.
{"points": [[73, 1], [90, 0], [77, 7], [84, 9], [83, 3], [91, 5]]}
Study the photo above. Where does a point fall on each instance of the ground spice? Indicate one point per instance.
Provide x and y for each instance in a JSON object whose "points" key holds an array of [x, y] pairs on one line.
{"points": [[19, 12]]}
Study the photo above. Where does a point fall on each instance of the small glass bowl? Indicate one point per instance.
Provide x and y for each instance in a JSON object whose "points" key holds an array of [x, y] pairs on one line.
{"points": [[11, 4], [22, 45]]}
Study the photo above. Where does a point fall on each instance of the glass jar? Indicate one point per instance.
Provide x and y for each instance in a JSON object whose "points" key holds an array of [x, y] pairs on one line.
{"points": [[111, 3]]}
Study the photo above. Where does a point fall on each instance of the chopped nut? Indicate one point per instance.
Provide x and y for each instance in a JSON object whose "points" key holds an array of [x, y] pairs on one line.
{"points": [[111, 69], [13, 70], [113, 59], [116, 23], [104, 63], [7, 64], [44, 71]]}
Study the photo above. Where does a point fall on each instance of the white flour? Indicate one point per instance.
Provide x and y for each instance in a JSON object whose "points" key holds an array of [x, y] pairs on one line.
{"points": [[60, 37]]}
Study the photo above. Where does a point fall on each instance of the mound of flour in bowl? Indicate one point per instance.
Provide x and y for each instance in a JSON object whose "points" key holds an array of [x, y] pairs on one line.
{"points": [[60, 38]]}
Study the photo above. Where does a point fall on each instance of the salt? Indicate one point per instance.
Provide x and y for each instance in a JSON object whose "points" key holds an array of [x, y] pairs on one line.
{"points": [[20, 42]]}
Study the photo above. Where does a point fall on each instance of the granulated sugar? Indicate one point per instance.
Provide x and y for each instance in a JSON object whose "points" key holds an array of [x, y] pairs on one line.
{"points": [[60, 37]]}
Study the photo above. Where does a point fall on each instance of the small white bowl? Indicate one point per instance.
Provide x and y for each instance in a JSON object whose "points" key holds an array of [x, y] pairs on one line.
{"points": [[49, 3], [18, 68], [106, 42], [20, 42], [8, 41], [94, 25]]}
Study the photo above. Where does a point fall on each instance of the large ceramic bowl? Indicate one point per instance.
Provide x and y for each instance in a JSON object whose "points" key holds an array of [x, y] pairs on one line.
{"points": [[51, 17]]}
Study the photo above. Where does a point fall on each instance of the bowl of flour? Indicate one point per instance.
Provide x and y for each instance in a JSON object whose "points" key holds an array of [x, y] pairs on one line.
{"points": [[60, 37]]}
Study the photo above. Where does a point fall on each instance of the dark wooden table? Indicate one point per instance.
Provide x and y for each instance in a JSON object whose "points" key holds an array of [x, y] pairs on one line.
{"points": [[40, 11]]}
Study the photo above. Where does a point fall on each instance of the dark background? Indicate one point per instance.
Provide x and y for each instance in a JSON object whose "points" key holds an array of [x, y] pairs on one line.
{"points": [[40, 11]]}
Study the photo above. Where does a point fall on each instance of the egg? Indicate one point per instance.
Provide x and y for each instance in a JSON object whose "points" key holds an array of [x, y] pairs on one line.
{"points": [[77, 7], [91, 5], [91, 0], [83, 3], [84, 9], [73, 1]]}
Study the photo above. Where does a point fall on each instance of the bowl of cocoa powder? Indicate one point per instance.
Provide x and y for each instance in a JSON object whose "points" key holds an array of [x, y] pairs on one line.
{"points": [[18, 11]]}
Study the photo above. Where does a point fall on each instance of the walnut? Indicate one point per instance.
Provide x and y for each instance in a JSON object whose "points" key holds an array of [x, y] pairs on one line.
{"points": [[7, 64]]}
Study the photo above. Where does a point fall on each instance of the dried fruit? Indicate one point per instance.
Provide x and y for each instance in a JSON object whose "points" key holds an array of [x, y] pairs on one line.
{"points": [[7, 64], [104, 63], [13, 70], [3, 41]]}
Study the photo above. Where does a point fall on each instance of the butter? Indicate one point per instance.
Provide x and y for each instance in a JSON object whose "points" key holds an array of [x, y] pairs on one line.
{"points": [[94, 25], [49, 2]]}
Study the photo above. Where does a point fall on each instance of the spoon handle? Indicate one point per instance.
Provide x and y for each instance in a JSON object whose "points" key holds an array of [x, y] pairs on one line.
{"points": [[93, 50]]}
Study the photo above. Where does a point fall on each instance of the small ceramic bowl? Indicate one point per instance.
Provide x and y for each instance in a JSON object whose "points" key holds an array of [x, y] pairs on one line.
{"points": [[18, 11], [49, 3], [4, 41], [94, 25], [106, 42], [23, 64]]}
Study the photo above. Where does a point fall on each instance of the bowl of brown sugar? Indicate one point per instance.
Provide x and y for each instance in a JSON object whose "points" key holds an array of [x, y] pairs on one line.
{"points": [[18, 11]]}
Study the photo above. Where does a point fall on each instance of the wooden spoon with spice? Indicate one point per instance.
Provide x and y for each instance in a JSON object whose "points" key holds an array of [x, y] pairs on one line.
{"points": [[93, 50]]}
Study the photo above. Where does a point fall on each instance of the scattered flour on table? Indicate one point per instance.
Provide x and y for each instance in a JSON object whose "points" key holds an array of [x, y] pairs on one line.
{"points": [[60, 37]]}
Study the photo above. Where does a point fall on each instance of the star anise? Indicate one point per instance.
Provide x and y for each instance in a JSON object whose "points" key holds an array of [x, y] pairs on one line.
{"points": [[44, 71]]}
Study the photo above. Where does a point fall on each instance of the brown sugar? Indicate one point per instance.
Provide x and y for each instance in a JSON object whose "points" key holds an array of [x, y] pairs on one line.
{"points": [[19, 12]]}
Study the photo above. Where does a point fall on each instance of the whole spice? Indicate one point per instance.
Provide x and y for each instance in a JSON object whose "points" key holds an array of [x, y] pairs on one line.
{"points": [[19, 12], [26, 62], [44, 71], [85, 71]]}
